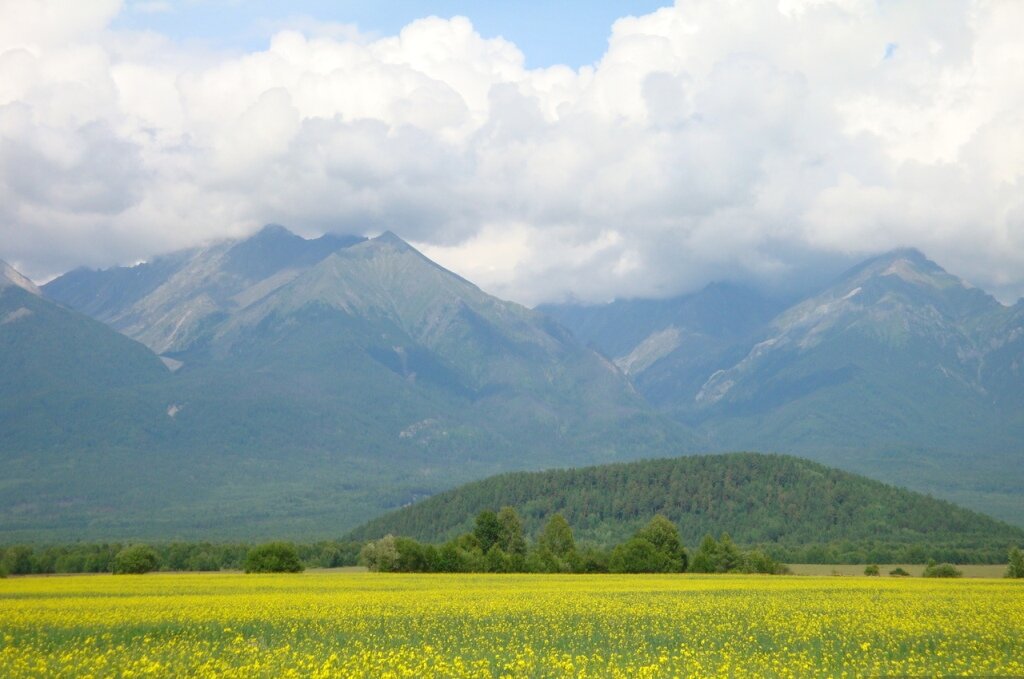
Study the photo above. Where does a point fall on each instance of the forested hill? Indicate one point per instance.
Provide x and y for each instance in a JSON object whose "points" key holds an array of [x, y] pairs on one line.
{"points": [[758, 499]]}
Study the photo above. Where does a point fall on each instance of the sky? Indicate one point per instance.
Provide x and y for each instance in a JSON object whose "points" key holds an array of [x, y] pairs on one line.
{"points": [[546, 151]]}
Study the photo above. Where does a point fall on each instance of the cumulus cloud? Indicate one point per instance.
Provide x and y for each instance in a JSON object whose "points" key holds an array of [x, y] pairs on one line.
{"points": [[711, 141]]}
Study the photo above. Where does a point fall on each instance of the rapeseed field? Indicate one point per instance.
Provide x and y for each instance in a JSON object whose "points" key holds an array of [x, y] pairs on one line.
{"points": [[389, 625]]}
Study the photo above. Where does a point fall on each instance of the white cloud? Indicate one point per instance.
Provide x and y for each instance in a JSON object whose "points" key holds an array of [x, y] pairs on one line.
{"points": [[713, 140]]}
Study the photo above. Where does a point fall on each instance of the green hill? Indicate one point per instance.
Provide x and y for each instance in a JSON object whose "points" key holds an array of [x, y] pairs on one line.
{"points": [[802, 508]]}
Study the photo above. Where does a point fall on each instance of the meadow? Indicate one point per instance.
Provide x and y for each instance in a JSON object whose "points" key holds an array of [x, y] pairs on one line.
{"points": [[391, 625]]}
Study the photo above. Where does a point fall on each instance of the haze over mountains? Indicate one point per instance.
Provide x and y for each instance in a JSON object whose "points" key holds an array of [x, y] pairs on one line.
{"points": [[309, 385]]}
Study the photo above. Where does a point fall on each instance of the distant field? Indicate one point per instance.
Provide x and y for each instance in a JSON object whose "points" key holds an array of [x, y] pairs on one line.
{"points": [[370, 625], [969, 571]]}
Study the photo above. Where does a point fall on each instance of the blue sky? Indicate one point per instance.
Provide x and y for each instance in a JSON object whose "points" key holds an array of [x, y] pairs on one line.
{"points": [[572, 32]]}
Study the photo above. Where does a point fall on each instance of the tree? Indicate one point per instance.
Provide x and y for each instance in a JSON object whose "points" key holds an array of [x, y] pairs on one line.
{"points": [[487, 530], [411, 557], [273, 557], [135, 560], [17, 560], [380, 555], [448, 560], [557, 537], [872, 570], [1015, 569], [664, 535], [706, 560], [497, 560], [639, 555], [510, 535], [730, 558]]}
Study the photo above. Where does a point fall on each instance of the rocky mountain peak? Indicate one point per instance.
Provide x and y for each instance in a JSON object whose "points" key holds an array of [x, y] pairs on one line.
{"points": [[389, 238], [9, 276]]}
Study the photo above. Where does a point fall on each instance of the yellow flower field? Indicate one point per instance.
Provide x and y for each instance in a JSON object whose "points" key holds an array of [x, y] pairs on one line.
{"points": [[367, 625]]}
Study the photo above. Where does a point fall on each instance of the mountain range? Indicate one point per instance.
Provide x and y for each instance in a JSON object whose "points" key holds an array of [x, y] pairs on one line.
{"points": [[279, 386], [297, 388], [898, 370]]}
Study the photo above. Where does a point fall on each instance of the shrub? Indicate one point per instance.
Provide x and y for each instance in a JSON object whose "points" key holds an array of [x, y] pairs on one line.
{"points": [[942, 570], [872, 570], [135, 560], [758, 561], [899, 572], [273, 557]]}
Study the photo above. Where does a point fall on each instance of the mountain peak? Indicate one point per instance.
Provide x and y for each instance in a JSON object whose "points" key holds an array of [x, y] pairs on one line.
{"points": [[389, 238], [907, 264], [908, 253], [271, 232], [9, 276]]}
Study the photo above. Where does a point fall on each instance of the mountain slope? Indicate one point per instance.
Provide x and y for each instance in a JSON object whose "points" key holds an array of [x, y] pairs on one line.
{"points": [[78, 403], [168, 302], [325, 393], [669, 347], [897, 370], [769, 499], [453, 372], [721, 311], [45, 348]]}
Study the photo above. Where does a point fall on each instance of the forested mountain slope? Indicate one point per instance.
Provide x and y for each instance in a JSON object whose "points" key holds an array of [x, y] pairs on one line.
{"points": [[309, 392]]}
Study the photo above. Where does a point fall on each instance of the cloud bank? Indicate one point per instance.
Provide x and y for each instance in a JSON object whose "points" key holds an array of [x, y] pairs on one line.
{"points": [[713, 140]]}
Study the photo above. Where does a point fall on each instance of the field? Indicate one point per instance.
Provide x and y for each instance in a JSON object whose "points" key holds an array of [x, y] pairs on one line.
{"points": [[369, 625], [969, 570]]}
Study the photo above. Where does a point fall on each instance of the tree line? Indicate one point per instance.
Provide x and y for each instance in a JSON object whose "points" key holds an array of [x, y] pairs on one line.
{"points": [[498, 544], [170, 556]]}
